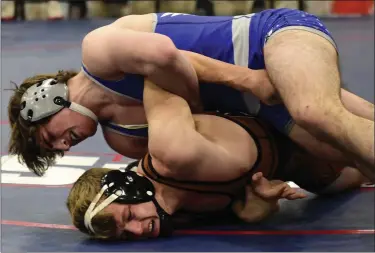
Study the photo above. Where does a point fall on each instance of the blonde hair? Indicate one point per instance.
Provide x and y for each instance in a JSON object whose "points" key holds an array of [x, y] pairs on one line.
{"points": [[80, 196], [23, 133]]}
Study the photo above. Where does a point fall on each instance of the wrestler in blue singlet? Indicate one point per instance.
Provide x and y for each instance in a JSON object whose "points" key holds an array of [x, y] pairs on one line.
{"points": [[237, 40]]}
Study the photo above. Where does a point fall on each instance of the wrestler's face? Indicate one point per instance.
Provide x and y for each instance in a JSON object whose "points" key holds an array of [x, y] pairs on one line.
{"points": [[137, 221], [65, 129]]}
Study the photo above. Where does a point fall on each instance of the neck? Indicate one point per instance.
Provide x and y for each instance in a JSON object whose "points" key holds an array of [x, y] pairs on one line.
{"points": [[166, 196], [167, 199], [83, 92]]}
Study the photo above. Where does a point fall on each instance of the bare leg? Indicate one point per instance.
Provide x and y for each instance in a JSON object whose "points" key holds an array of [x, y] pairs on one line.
{"points": [[303, 67], [361, 108], [357, 105], [323, 150], [350, 178], [317, 148]]}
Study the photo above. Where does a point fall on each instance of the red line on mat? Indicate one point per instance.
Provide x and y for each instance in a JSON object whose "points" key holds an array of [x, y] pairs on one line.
{"points": [[212, 232], [277, 232], [36, 224], [117, 158]]}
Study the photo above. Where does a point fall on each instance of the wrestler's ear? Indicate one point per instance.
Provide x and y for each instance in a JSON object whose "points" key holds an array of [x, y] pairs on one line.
{"points": [[131, 166]]}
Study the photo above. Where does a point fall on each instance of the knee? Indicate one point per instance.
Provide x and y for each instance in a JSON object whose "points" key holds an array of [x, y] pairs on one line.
{"points": [[306, 114], [316, 115]]}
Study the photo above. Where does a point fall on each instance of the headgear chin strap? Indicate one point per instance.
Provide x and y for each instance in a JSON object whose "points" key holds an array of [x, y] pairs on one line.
{"points": [[47, 98], [127, 188]]}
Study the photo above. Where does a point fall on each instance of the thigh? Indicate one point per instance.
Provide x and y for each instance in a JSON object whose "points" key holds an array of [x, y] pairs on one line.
{"points": [[311, 173], [315, 147], [303, 66], [357, 105], [350, 178]]}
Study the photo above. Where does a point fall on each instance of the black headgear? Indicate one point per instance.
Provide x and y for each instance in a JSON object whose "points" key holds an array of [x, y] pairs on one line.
{"points": [[127, 187]]}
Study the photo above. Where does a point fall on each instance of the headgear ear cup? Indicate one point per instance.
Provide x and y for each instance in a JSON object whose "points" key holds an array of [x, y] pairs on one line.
{"points": [[135, 189], [38, 101], [47, 98]]}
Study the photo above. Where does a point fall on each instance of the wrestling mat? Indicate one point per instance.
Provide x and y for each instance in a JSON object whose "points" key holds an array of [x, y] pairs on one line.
{"points": [[33, 212]]}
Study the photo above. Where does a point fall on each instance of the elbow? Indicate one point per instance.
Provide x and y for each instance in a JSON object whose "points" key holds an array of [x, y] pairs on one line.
{"points": [[172, 153], [165, 152], [169, 52], [159, 151], [166, 55]]}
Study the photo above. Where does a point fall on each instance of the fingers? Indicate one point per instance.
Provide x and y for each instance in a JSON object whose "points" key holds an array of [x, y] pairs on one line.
{"points": [[264, 188], [274, 189], [260, 184], [292, 194], [278, 190], [297, 195]]}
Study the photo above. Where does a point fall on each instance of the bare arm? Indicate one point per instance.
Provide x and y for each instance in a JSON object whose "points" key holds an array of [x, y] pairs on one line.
{"points": [[111, 49], [175, 142], [241, 78]]}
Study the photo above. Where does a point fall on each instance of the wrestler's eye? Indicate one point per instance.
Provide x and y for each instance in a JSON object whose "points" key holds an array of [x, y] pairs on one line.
{"points": [[130, 217], [73, 136]]}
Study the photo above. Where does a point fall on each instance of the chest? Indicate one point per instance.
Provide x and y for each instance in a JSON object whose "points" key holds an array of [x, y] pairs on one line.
{"points": [[126, 132], [203, 202], [196, 195], [201, 207], [128, 114]]}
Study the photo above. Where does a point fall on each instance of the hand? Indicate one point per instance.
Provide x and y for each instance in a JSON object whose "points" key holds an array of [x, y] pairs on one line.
{"points": [[260, 85], [274, 189], [254, 208]]}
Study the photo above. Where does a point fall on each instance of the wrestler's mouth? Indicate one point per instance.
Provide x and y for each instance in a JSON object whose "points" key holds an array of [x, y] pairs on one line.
{"points": [[151, 226]]}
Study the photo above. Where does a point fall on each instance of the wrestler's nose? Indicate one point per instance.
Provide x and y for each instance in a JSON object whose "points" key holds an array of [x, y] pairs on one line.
{"points": [[134, 227], [62, 144]]}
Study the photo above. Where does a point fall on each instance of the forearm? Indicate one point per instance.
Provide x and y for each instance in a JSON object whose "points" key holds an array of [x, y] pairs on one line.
{"points": [[161, 105], [169, 118], [237, 77], [214, 71]]}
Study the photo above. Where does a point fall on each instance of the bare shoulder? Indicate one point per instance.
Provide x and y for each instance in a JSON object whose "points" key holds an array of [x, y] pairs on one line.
{"points": [[97, 50], [104, 48], [141, 23], [96, 53]]}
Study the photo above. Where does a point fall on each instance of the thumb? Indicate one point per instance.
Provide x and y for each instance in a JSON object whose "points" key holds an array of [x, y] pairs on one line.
{"points": [[257, 177]]}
